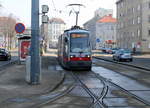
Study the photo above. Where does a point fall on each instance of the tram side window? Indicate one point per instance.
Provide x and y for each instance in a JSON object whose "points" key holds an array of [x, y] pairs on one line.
{"points": [[65, 45], [66, 49]]}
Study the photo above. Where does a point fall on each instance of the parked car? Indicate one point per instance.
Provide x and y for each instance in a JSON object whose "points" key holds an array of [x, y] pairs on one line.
{"points": [[106, 50], [114, 50], [123, 54], [103, 49], [4, 54], [109, 50]]}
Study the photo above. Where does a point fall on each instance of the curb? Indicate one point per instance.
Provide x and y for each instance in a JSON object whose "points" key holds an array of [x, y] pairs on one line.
{"points": [[8, 64], [131, 65], [61, 94]]}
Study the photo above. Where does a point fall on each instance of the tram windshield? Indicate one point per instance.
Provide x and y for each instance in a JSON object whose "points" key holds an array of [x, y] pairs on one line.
{"points": [[79, 42]]}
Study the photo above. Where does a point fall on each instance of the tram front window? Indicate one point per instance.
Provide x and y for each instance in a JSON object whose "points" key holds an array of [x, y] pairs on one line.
{"points": [[79, 43]]}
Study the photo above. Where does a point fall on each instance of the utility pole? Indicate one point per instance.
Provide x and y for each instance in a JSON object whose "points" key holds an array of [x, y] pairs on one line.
{"points": [[34, 50]]}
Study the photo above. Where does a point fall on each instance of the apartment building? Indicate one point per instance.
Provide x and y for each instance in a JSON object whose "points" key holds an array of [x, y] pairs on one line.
{"points": [[106, 32], [91, 24], [56, 27], [133, 25]]}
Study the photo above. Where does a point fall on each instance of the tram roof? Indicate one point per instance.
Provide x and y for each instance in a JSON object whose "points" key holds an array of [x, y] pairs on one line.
{"points": [[77, 29]]}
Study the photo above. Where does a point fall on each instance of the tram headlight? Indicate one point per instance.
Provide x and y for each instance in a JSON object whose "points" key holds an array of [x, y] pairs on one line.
{"points": [[71, 56], [88, 56]]}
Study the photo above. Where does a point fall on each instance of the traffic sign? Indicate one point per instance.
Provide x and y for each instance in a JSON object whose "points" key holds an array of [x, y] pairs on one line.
{"points": [[98, 40], [19, 28]]}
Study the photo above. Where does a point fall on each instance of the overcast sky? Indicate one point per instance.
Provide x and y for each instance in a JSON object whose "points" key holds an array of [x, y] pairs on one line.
{"points": [[22, 9]]}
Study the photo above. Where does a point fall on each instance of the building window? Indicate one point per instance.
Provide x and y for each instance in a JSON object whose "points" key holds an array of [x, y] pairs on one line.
{"points": [[139, 7], [112, 28], [133, 34], [149, 5], [139, 20], [122, 4], [138, 32], [133, 22], [149, 18], [118, 25], [133, 10], [121, 14], [149, 32]]}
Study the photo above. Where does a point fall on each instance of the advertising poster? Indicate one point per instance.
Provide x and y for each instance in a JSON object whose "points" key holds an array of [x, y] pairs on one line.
{"points": [[25, 45]]}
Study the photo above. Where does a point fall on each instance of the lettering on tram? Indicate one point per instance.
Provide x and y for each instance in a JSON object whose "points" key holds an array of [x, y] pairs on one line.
{"points": [[74, 49]]}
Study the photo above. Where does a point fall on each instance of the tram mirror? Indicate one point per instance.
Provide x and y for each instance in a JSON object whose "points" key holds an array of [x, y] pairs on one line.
{"points": [[66, 40]]}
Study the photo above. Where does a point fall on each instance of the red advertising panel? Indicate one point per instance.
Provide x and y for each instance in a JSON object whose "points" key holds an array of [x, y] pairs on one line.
{"points": [[24, 49]]}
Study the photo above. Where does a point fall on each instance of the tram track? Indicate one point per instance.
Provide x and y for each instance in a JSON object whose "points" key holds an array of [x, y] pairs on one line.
{"points": [[131, 93], [107, 83], [139, 75], [137, 71], [124, 90], [97, 100]]}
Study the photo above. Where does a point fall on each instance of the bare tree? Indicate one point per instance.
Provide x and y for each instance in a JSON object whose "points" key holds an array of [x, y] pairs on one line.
{"points": [[7, 25]]}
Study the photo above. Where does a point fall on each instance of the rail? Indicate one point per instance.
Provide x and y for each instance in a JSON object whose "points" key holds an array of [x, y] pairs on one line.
{"points": [[124, 90], [97, 100]]}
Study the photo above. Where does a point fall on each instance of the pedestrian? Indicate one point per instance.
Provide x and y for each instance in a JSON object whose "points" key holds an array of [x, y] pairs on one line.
{"points": [[134, 50]]}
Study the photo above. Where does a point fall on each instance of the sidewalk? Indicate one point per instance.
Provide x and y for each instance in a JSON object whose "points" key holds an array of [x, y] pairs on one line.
{"points": [[138, 60], [16, 93]]}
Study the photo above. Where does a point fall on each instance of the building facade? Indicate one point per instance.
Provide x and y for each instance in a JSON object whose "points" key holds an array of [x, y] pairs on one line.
{"points": [[103, 12], [2, 40], [91, 24], [133, 25], [56, 27], [106, 32]]}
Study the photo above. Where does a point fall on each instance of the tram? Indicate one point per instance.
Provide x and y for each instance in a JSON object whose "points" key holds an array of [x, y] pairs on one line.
{"points": [[74, 49]]}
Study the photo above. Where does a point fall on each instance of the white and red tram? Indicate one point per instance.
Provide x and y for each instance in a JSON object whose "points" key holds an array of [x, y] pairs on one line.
{"points": [[74, 49]]}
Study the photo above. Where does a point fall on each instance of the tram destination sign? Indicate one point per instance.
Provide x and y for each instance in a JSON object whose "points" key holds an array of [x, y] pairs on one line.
{"points": [[78, 35]]}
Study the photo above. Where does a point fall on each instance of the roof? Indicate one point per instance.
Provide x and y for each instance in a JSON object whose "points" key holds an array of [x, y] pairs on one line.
{"points": [[118, 1], [75, 29], [57, 20], [107, 19]]}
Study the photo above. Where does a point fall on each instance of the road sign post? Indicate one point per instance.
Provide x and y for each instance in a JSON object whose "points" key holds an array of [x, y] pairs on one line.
{"points": [[34, 51]]}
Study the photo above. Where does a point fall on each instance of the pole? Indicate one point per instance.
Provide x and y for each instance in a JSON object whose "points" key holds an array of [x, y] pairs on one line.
{"points": [[34, 51], [77, 13]]}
